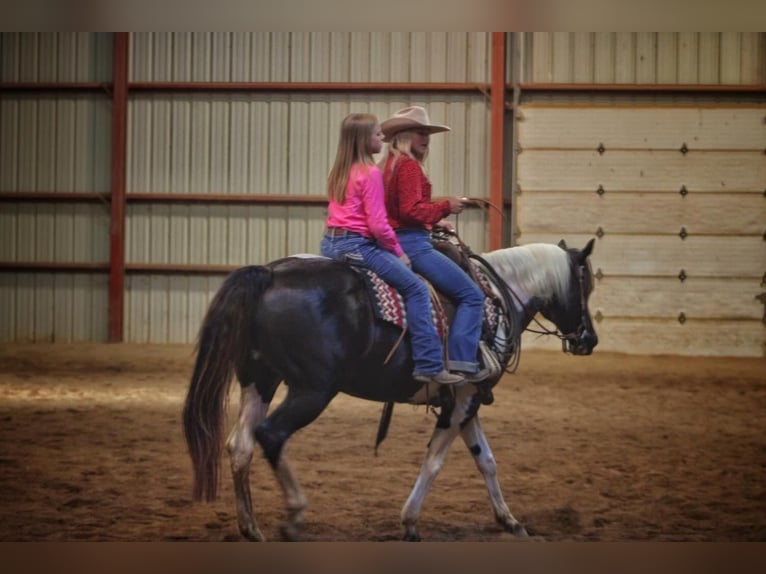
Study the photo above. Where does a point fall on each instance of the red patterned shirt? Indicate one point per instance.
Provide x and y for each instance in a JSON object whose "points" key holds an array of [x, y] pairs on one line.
{"points": [[408, 195]]}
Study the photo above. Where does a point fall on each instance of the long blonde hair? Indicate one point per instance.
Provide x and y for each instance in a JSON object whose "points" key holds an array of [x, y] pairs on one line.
{"points": [[353, 147], [400, 144]]}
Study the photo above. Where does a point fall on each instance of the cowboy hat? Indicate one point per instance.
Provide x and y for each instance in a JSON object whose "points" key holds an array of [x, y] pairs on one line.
{"points": [[413, 117]]}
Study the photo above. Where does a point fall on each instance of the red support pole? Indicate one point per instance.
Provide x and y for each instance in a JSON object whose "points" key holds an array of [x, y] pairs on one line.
{"points": [[117, 224], [497, 139]]}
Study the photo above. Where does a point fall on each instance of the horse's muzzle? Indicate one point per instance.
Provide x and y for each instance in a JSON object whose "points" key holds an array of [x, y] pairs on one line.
{"points": [[580, 344], [584, 343]]}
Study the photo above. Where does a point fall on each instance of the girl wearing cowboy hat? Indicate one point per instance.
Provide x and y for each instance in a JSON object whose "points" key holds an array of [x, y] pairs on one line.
{"points": [[412, 215], [358, 232]]}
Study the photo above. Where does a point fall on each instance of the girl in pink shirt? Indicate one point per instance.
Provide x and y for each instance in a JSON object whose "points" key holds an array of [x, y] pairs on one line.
{"points": [[358, 232]]}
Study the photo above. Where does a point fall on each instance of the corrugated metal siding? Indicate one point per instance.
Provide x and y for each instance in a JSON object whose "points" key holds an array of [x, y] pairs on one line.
{"points": [[263, 144], [646, 57], [310, 56], [54, 143], [274, 144], [48, 143], [53, 307], [267, 144], [648, 230], [56, 56]]}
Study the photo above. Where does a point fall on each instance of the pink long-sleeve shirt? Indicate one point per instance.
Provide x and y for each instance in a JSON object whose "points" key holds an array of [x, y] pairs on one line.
{"points": [[364, 210]]}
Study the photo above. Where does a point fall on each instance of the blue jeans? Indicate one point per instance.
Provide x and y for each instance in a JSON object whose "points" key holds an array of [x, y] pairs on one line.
{"points": [[448, 278], [427, 350]]}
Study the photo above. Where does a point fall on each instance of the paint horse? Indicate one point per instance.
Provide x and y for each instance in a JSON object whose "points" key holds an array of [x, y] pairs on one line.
{"points": [[308, 322]]}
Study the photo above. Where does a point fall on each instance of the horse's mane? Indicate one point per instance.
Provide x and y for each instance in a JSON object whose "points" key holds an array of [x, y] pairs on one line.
{"points": [[540, 268]]}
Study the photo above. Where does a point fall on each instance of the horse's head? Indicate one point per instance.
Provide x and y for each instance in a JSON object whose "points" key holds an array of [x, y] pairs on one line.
{"points": [[572, 316]]}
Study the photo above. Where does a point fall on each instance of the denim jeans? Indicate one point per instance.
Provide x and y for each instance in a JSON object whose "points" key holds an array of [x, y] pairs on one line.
{"points": [[448, 278], [427, 350]]}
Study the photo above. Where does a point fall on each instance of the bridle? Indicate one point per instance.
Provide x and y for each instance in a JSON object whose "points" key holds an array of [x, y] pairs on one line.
{"points": [[568, 340]]}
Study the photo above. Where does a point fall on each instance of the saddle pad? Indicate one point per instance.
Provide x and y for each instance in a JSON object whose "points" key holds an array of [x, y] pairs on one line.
{"points": [[388, 304]]}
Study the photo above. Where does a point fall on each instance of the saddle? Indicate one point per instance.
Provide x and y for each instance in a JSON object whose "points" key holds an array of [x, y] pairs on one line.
{"points": [[495, 346]]}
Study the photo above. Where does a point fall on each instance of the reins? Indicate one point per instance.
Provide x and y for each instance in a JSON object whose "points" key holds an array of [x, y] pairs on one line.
{"points": [[506, 294]]}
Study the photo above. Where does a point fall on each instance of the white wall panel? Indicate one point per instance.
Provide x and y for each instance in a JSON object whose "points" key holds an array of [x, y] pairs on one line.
{"points": [[641, 213], [644, 128]]}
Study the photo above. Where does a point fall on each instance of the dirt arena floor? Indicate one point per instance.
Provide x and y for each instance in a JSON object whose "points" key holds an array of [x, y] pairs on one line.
{"points": [[601, 448]]}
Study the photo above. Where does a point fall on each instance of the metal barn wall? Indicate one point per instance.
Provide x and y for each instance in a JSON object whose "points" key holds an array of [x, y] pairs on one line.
{"points": [[644, 57], [273, 144], [281, 143], [54, 144]]}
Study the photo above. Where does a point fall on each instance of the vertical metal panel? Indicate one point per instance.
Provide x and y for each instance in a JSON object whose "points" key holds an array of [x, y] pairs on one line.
{"points": [[582, 59], [604, 57], [646, 57], [319, 63], [709, 58], [8, 305], [314, 56], [731, 71], [45, 307], [54, 144], [561, 51], [173, 314], [667, 58], [359, 57], [55, 57], [625, 57], [688, 57], [753, 49], [10, 143]]}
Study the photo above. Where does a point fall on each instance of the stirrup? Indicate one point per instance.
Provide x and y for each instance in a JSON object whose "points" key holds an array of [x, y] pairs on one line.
{"points": [[490, 361]]}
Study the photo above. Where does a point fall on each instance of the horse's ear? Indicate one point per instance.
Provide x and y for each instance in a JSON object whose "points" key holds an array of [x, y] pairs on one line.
{"points": [[563, 244], [588, 248]]}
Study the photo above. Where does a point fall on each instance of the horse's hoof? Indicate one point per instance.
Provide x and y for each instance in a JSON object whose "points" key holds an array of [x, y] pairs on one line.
{"points": [[519, 530], [411, 537], [291, 533], [253, 535]]}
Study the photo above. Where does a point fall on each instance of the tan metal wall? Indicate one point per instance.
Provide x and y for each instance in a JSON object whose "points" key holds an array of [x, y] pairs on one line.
{"points": [[311, 56], [662, 214], [283, 143], [274, 144], [644, 57], [55, 143]]}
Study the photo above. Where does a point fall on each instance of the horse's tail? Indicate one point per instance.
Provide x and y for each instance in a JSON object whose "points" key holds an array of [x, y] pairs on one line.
{"points": [[225, 340]]}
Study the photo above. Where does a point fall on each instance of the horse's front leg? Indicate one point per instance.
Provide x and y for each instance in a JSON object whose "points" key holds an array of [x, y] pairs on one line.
{"points": [[476, 441], [447, 429]]}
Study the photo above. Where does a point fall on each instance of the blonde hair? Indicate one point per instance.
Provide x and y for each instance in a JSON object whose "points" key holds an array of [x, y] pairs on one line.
{"points": [[353, 147], [401, 144]]}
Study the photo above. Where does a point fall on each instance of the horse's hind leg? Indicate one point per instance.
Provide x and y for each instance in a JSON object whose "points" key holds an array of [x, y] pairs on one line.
{"points": [[299, 408], [476, 441], [240, 445]]}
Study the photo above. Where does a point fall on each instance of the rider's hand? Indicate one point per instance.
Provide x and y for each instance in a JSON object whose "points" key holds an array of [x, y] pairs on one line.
{"points": [[456, 204], [404, 259], [446, 225]]}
